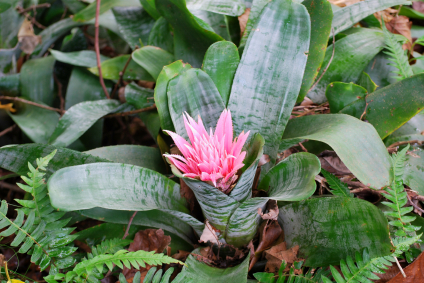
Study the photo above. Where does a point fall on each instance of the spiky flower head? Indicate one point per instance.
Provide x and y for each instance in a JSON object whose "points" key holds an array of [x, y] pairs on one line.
{"points": [[211, 157]]}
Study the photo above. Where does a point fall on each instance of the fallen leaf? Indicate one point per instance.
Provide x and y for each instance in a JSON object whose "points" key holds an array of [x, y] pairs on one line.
{"points": [[414, 272], [243, 20], [277, 254], [209, 234], [401, 25], [273, 211], [388, 275], [27, 38], [332, 163]]}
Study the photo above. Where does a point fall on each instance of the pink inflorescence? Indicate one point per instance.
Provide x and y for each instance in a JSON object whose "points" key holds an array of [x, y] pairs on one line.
{"points": [[213, 158]]}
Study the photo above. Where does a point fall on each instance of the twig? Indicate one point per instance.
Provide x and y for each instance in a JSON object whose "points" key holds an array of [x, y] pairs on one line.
{"points": [[405, 142], [64, 13], [397, 15], [31, 103], [32, 19], [8, 176], [97, 48], [400, 267], [303, 147], [365, 110], [329, 62], [413, 204], [33, 7], [130, 112], [5, 131], [121, 76], [11, 187], [59, 93], [129, 225]]}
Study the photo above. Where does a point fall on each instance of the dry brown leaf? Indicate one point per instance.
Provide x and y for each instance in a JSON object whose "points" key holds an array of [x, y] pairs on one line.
{"points": [[273, 211], [418, 6], [332, 163], [388, 275], [269, 232], [243, 20], [401, 25], [209, 234], [277, 254], [27, 38], [414, 272]]}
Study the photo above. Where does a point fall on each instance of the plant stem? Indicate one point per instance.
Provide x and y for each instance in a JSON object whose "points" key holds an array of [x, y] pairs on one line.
{"points": [[97, 48]]}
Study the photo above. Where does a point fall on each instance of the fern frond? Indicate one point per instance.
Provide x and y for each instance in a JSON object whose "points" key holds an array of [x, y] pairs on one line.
{"points": [[43, 235], [338, 188], [109, 246], [397, 55]]}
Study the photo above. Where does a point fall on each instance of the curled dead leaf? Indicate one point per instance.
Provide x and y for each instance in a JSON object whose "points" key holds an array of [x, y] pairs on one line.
{"points": [[273, 211], [209, 234], [401, 25], [332, 163], [414, 272], [277, 254], [27, 38], [243, 20]]}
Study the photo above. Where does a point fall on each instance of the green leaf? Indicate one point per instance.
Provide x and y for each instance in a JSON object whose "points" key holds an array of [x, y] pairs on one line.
{"points": [[10, 23], [15, 157], [350, 15], [152, 59], [9, 85], [366, 82], [190, 39], [7, 57], [161, 97], [89, 12], [143, 156], [84, 58], [113, 186], [229, 7], [321, 17], [339, 95], [268, 101], [355, 142], [37, 123], [216, 22], [293, 178], [161, 35], [194, 92], [112, 67], [200, 272], [134, 23], [78, 119], [392, 106], [330, 229], [380, 71], [220, 63], [414, 169], [338, 188], [36, 80], [255, 11], [409, 131], [352, 55], [411, 13], [138, 96]]}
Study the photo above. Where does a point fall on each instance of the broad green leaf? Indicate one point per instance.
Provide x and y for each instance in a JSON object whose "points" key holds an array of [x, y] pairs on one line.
{"points": [[7, 57], [112, 67], [392, 106], [138, 96], [135, 24], [76, 41], [350, 15], [355, 142], [200, 272], [74, 5], [269, 75], [220, 63], [190, 39], [330, 229], [292, 179], [411, 13], [152, 59], [36, 80], [37, 123], [414, 171], [143, 156], [321, 17], [9, 85], [161, 35], [89, 12], [380, 71], [340, 95], [194, 92], [352, 55], [150, 7], [233, 26], [161, 97], [78, 119], [84, 58], [181, 224], [411, 130], [15, 158], [255, 11], [228, 7], [215, 21], [113, 186], [10, 23], [366, 82]]}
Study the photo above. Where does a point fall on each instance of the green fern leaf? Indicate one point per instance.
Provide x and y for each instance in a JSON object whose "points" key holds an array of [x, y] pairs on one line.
{"points": [[338, 188], [110, 246]]}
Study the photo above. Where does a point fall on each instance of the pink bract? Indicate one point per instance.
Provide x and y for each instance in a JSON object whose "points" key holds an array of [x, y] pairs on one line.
{"points": [[211, 157]]}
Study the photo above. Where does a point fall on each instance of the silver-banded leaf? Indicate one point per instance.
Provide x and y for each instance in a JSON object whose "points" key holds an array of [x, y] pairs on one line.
{"points": [[78, 119], [329, 229], [255, 10], [216, 22], [138, 96], [194, 92], [84, 58], [220, 63], [346, 17], [269, 76], [228, 7], [356, 143], [161, 35], [352, 55], [161, 97], [152, 59], [113, 186]]}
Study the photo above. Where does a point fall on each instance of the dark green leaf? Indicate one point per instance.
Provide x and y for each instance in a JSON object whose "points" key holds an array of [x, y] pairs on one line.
{"points": [[84, 58], [190, 39], [321, 16], [352, 55], [411, 13], [331, 228], [215, 21], [366, 82], [411, 130], [161, 35], [89, 12], [7, 56], [135, 24], [340, 95], [255, 11], [229, 7], [269, 76], [10, 22], [220, 63], [355, 142], [138, 96], [414, 171], [9, 85], [380, 71], [152, 59]]}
